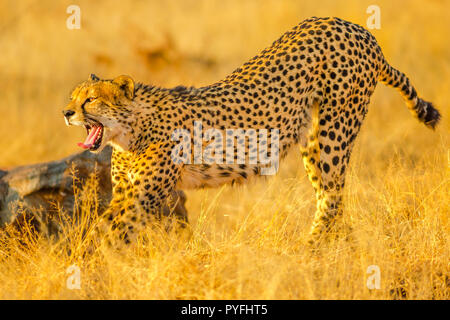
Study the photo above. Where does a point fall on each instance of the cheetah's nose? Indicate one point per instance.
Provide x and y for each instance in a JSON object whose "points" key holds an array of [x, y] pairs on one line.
{"points": [[68, 113]]}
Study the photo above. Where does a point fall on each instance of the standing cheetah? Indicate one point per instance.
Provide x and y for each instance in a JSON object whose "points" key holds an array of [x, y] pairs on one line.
{"points": [[311, 87]]}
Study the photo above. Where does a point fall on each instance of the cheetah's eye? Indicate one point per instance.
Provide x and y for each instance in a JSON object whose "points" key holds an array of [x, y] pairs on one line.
{"points": [[88, 100]]}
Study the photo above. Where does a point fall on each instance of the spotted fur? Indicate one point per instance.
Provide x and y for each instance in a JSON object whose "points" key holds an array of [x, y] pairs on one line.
{"points": [[313, 84]]}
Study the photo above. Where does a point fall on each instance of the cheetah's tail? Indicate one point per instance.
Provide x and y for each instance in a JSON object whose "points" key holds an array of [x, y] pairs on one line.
{"points": [[421, 109]]}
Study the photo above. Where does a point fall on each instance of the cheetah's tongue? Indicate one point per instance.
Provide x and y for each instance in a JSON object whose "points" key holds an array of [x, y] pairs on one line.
{"points": [[94, 131]]}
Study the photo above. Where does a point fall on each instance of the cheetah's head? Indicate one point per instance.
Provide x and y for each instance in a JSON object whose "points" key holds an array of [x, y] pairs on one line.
{"points": [[102, 107]]}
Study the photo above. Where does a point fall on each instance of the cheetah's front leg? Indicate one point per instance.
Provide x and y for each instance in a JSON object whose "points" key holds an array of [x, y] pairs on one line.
{"points": [[143, 193]]}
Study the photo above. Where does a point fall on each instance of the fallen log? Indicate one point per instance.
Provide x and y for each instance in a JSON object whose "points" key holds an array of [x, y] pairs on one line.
{"points": [[31, 192]]}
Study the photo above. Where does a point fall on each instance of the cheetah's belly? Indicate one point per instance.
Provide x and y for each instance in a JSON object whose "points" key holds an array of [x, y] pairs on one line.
{"points": [[214, 175]]}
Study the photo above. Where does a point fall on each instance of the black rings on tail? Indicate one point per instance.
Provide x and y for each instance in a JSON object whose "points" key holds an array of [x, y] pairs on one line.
{"points": [[421, 109], [427, 114]]}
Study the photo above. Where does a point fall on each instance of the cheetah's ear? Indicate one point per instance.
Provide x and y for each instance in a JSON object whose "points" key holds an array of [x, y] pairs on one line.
{"points": [[125, 83], [93, 77]]}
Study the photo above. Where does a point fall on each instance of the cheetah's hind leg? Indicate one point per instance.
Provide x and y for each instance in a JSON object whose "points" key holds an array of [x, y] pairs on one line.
{"points": [[335, 140], [310, 151]]}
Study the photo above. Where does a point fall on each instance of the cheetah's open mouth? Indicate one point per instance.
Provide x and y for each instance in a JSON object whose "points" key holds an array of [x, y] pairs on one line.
{"points": [[94, 137]]}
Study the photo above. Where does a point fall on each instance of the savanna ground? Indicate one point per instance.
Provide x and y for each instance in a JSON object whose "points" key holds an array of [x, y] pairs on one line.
{"points": [[244, 242]]}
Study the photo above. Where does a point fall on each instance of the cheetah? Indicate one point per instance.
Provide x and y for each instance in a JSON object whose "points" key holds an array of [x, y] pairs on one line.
{"points": [[311, 87]]}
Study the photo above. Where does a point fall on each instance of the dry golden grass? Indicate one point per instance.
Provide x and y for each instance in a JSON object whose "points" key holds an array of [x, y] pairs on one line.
{"points": [[245, 242]]}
